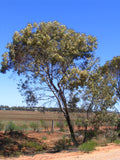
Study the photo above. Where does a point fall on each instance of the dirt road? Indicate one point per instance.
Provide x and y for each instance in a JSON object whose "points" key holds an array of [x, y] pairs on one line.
{"points": [[110, 152]]}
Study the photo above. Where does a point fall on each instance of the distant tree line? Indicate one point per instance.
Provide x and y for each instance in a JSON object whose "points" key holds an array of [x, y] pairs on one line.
{"points": [[41, 109]]}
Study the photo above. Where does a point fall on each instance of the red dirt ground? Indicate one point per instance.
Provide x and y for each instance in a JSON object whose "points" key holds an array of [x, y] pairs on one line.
{"points": [[110, 152]]}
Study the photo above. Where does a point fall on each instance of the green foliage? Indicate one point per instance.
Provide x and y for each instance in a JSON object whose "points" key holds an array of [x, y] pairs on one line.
{"points": [[1, 126], [10, 127], [23, 127], [96, 121], [88, 146], [118, 133], [111, 135], [113, 68], [60, 124], [62, 144], [72, 104], [37, 146], [85, 122], [112, 119], [34, 126], [78, 123], [65, 124], [118, 124], [117, 141], [44, 138], [44, 124], [90, 134], [99, 97], [49, 132]]}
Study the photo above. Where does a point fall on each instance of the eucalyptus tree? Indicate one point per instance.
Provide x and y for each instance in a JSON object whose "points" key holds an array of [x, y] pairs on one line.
{"points": [[113, 67], [51, 56], [99, 95]]}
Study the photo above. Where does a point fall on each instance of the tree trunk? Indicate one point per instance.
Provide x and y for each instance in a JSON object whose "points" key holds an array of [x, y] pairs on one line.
{"points": [[62, 102], [85, 136], [71, 129], [86, 126]]}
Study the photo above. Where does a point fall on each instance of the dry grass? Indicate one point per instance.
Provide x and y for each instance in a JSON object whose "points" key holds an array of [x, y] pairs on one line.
{"points": [[35, 116], [29, 116]]}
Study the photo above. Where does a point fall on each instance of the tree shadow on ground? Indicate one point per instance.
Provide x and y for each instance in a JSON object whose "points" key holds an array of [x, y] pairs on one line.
{"points": [[16, 143]]}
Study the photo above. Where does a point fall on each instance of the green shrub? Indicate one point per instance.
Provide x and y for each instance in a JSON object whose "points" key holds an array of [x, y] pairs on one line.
{"points": [[60, 125], [88, 146], [1, 126], [78, 123], [118, 133], [17, 128], [62, 144], [118, 124], [34, 126], [90, 134], [117, 141], [111, 135], [10, 127], [23, 127], [44, 138], [44, 124], [63, 130], [33, 145], [65, 124], [48, 132]]}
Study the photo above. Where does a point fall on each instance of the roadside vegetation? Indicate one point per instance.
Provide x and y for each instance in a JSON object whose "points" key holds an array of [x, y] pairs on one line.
{"points": [[15, 139]]}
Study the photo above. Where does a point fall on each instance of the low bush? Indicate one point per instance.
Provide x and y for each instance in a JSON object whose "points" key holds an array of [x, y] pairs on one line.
{"points": [[62, 144], [118, 124], [49, 132], [88, 146], [117, 141], [111, 135], [10, 127], [44, 124], [78, 123], [35, 145], [34, 126], [118, 133], [23, 127], [90, 134], [44, 138], [60, 125], [65, 124]]}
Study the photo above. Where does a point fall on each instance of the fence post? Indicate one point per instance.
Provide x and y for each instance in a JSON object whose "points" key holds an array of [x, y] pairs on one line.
{"points": [[52, 129]]}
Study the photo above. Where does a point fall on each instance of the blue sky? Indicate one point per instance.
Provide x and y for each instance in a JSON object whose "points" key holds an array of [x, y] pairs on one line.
{"points": [[100, 18]]}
